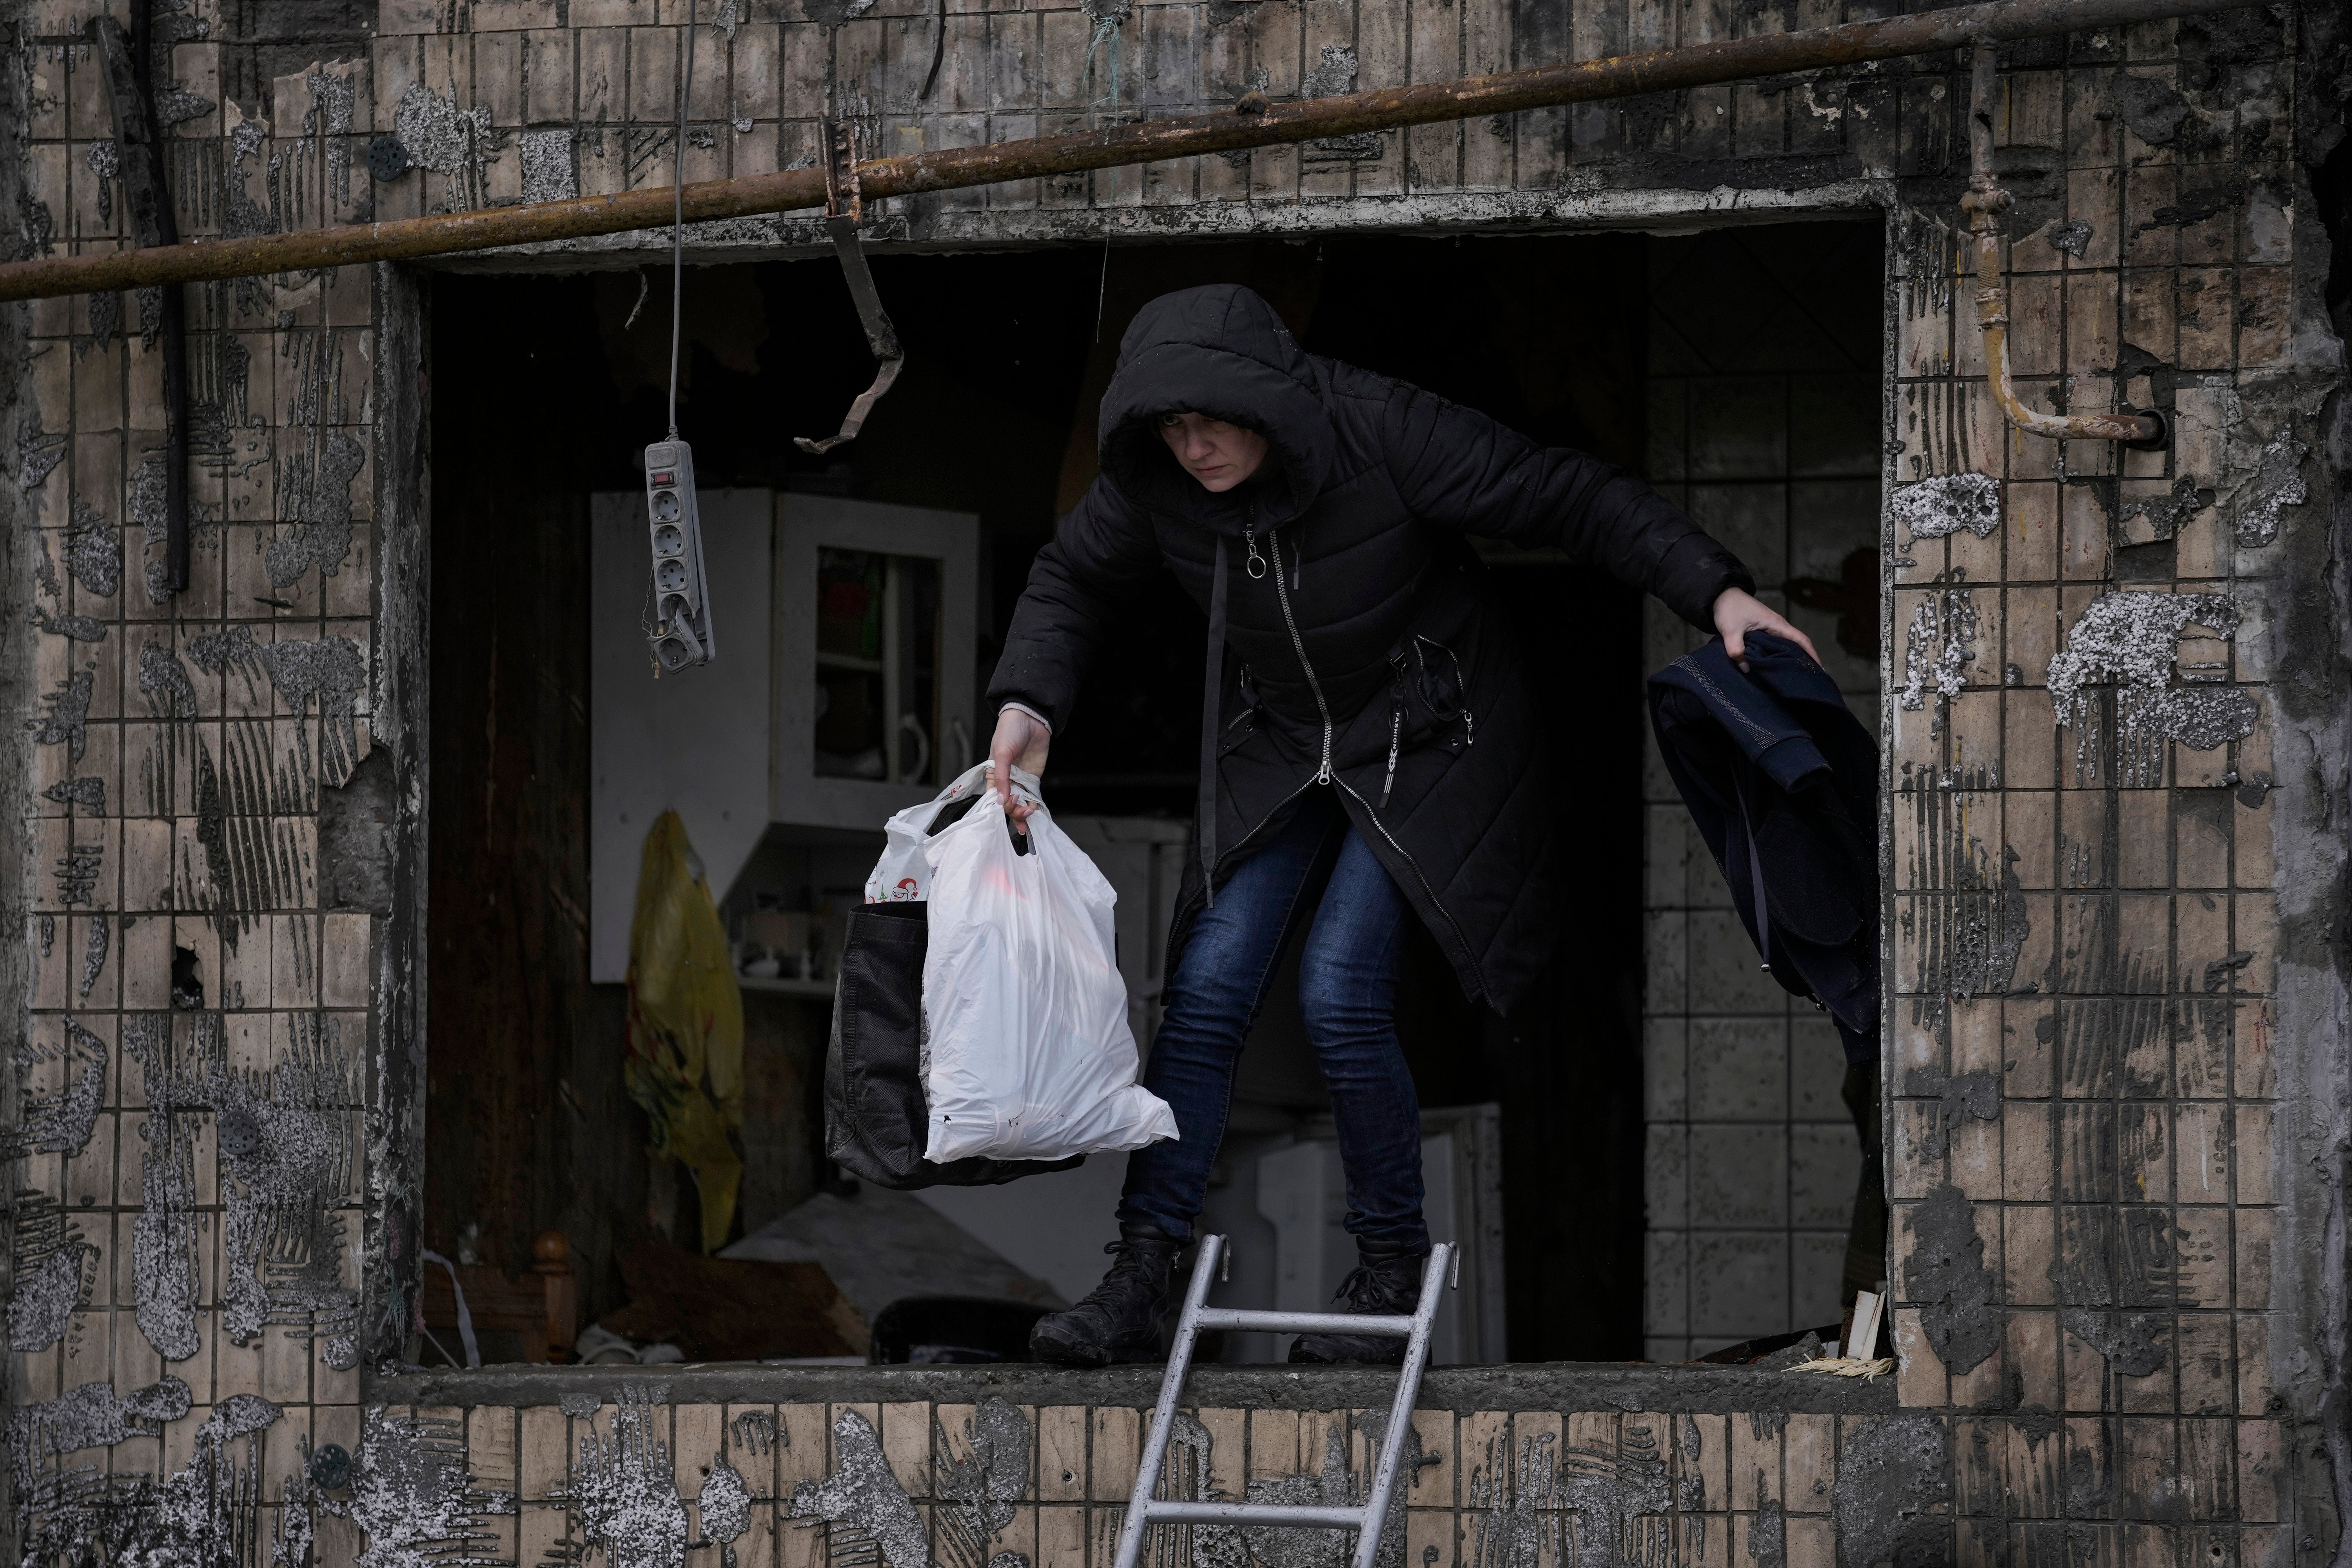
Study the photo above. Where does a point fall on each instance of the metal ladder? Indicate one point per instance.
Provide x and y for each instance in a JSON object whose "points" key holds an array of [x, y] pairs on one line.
{"points": [[1144, 1511]]}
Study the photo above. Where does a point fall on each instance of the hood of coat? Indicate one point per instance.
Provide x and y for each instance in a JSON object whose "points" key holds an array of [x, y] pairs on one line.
{"points": [[1221, 350]]}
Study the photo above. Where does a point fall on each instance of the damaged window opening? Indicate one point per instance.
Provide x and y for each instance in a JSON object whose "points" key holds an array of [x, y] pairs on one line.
{"points": [[1656, 1156]]}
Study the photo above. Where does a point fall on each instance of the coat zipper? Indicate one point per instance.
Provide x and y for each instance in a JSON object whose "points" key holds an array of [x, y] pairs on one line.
{"points": [[1299, 646], [1324, 775], [1427, 891]]}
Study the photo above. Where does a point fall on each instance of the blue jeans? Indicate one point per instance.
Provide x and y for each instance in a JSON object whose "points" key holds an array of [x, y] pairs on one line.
{"points": [[1347, 990]]}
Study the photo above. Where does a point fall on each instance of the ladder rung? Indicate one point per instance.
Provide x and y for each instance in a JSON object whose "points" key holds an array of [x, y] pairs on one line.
{"points": [[1160, 1512], [1305, 1322]]}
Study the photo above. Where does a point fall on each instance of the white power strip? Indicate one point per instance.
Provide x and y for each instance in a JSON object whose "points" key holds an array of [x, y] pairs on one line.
{"points": [[681, 635]]}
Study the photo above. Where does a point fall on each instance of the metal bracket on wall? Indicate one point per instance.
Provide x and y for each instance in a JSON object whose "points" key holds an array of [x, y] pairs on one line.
{"points": [[845, 209], [1985, 201], [130, 67]]}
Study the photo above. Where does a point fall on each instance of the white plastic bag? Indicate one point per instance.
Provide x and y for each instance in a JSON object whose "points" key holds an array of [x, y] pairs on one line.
{"points": [[1030, 1056], [902, 873]]}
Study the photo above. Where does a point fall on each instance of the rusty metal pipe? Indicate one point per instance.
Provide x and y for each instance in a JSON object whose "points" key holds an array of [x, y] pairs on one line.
{"points": [[1149, 142], [1984, 203]]}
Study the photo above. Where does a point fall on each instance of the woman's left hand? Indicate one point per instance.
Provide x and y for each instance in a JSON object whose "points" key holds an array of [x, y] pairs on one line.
{"points": [[1739, 612]]}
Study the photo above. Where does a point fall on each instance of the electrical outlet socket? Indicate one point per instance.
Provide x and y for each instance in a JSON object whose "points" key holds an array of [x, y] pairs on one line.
{"points": [[681, 635]]}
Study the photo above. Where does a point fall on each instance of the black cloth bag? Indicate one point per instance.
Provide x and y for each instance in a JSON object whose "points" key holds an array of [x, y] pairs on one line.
{"points": [[1782, 782], [876, 1123]]}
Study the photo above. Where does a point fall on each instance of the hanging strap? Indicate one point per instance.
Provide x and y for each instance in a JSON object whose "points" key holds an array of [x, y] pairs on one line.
{"points": [[1755, 876], [1213, 684], [465, 1318]]}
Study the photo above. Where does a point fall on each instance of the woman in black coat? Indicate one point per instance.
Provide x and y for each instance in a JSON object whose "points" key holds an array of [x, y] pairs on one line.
{"points": [[1364, 729]]}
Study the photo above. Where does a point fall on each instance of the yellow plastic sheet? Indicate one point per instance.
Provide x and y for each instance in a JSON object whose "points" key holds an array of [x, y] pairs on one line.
{"points": [[685, 1059]]}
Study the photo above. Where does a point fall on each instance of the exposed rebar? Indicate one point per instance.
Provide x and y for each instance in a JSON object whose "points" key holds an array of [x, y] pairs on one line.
{"points": [[1259, 123]]}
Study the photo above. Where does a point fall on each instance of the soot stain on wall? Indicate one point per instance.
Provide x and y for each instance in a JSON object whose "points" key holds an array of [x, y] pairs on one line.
{"points": [[1970, 918], [1946, 1272], [1893, 1477]]}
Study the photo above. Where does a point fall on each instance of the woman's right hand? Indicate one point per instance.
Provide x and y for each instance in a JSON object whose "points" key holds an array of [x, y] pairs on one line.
{"points": [[1021, 740]]}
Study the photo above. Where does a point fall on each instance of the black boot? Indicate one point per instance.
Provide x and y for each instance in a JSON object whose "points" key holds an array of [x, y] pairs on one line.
{"points": [[1119, 1320], [1387, 1283]]}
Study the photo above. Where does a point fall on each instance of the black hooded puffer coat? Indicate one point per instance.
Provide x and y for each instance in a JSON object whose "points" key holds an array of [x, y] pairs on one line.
{"points": [[1359, 648]]}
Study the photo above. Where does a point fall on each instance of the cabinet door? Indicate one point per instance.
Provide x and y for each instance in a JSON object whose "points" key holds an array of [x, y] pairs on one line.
{"points": [[876, 612]]}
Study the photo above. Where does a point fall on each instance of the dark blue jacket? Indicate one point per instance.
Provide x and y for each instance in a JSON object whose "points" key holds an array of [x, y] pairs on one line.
{"points": [[1782, 781]]}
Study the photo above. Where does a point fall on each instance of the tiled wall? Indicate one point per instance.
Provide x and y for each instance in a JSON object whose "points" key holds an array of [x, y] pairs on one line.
{"points": [[965, 1484], [1764, 418], [2085, 941], [2105, 1246]]}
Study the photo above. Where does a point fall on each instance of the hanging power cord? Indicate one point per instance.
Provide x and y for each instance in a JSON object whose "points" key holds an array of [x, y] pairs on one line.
{"points": [[677, 219], [680, 636], [645, 621]]}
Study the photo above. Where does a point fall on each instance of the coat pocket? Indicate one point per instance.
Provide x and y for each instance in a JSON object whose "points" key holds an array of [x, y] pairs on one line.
{"points": [[1243, 724], [1437, 681]]}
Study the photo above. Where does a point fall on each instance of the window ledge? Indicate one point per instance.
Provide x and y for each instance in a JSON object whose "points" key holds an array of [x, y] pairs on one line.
{"points": [[1529, 1386]]}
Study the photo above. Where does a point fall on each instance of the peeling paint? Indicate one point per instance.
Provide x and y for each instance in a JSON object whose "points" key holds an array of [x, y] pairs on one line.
{"points": [[1943, 506], [93, 553], [236, 1416], [1947, 1277], [625, 1491], [164, 682], [87, 792], [1971, 1097], [61, 1124], [2165, 514], [413, 1496], [208, 1512], [78, 628], [452, 141], [2276, 484], [93, 961], [723, 1507], [1939, 646], [286, 1152], [1577, 1504], [316, 497], [164, 1235], [38, 455], [333, 671], [1767, 1532], [47, 1289], [2072, 236], [68, 719], [983, 1483], [91, 1416], [548, 171], [862, 1496], [2133, 640]]}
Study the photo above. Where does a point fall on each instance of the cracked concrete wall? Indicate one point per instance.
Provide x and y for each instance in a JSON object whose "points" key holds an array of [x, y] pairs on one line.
{"points": [[2116, 842]]}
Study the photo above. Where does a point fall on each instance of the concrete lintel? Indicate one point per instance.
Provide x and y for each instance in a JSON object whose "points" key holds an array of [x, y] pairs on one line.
{"points": [[1572, 208]]}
